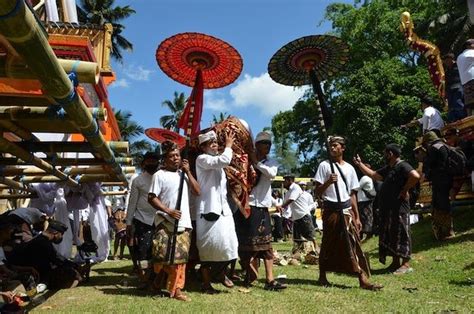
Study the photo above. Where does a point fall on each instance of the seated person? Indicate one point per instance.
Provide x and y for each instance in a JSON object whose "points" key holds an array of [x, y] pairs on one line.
{"points": [[40, 254], [28, 222]]}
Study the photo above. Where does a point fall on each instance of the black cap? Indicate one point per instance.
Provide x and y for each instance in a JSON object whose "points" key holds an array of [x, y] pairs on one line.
{"points": [[151, 155], [57, 226], [289, 176]]}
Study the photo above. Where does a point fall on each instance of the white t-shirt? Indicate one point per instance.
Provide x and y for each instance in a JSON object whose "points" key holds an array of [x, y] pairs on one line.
{"points": [[277, 202], [465, 63], [302, 201], [261, 194], [213, 182], [366, 184], [138, 206], [431, 119], [323, 174], [165, 185]]}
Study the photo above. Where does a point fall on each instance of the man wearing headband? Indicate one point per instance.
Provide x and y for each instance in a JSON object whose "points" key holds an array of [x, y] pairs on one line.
{"points": [[255, 232], [398, 178], [163, 196], [216, 239], [340, 249]]}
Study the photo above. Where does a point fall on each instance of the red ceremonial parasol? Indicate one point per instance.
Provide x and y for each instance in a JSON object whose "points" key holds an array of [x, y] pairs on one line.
{"points": [[200, 61], [181, 55], [162, 135]]}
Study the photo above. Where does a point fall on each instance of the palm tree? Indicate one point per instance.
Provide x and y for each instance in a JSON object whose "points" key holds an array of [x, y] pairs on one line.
{"points": [[129, 130], [102, 11], [176, 107], [218, 119]]}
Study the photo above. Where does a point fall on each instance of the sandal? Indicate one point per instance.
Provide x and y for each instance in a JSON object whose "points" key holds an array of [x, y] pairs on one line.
{"points": [[181, 297], [403, 270], [372, 287], [227, 282], [274, 286]]}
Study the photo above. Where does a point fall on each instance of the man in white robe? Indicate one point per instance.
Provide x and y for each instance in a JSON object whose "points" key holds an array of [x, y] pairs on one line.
{"points": [[216, 239]]}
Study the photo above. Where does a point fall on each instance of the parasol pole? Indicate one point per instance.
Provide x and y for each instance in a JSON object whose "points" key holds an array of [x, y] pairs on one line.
{"points": [[320, 103], [188, 131]]}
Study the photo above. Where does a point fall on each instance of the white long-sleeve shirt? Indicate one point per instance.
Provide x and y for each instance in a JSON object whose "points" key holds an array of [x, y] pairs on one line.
{"points": [[302, 204], [431, 119], [213, 182], [261, 194], [366, 184], [138, 206], [465, 62]]}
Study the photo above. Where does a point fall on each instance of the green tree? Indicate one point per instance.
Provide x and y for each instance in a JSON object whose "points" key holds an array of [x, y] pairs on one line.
{"points": [[130, 130], [379, 89], [176, 106], [295, 132], [103, 11]]}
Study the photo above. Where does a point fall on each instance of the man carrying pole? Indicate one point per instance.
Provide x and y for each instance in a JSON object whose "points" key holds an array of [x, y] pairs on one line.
{"points": [[340, 245]]}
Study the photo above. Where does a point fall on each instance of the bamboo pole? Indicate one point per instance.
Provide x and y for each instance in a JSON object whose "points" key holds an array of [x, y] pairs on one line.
{"points": [[28, 38], [9, 161], [110, 193], [45, 113], [16, 150], [33, 195], [16, 171], [87, 72], [87, 178], [114, 184], [18, 130], [14, 184], [60, 147]]}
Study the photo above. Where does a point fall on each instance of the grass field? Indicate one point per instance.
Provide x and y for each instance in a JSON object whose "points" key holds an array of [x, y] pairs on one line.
{"points": [[443, 282]]}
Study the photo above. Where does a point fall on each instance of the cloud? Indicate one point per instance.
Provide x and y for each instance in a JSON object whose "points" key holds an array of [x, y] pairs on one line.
{"points": [[120, 83], [262, 92], [137, 73], [215, 101]]}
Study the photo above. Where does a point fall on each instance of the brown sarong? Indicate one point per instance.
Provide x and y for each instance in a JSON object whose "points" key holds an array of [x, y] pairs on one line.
{"points": [[340, 253]]}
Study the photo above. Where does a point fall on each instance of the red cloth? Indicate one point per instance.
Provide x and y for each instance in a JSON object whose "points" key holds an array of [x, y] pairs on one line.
{"points": [[191, 118]]}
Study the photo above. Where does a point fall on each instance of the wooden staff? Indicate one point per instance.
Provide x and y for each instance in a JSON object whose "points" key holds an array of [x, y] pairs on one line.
{"points": [[320, 107]]}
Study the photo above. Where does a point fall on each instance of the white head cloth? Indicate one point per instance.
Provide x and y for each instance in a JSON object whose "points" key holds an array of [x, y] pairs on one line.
{"points": [[203, 138]]}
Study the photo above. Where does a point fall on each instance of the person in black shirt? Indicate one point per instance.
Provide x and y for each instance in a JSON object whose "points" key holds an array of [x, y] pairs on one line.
{"points": [[398, 178]]}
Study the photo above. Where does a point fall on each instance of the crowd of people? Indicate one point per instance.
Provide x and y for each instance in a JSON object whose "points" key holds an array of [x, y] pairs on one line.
{"points": [[178, 216]]}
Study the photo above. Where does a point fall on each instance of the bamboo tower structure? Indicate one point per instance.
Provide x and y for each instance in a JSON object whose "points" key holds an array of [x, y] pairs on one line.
{"points": [[56, 123]]}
